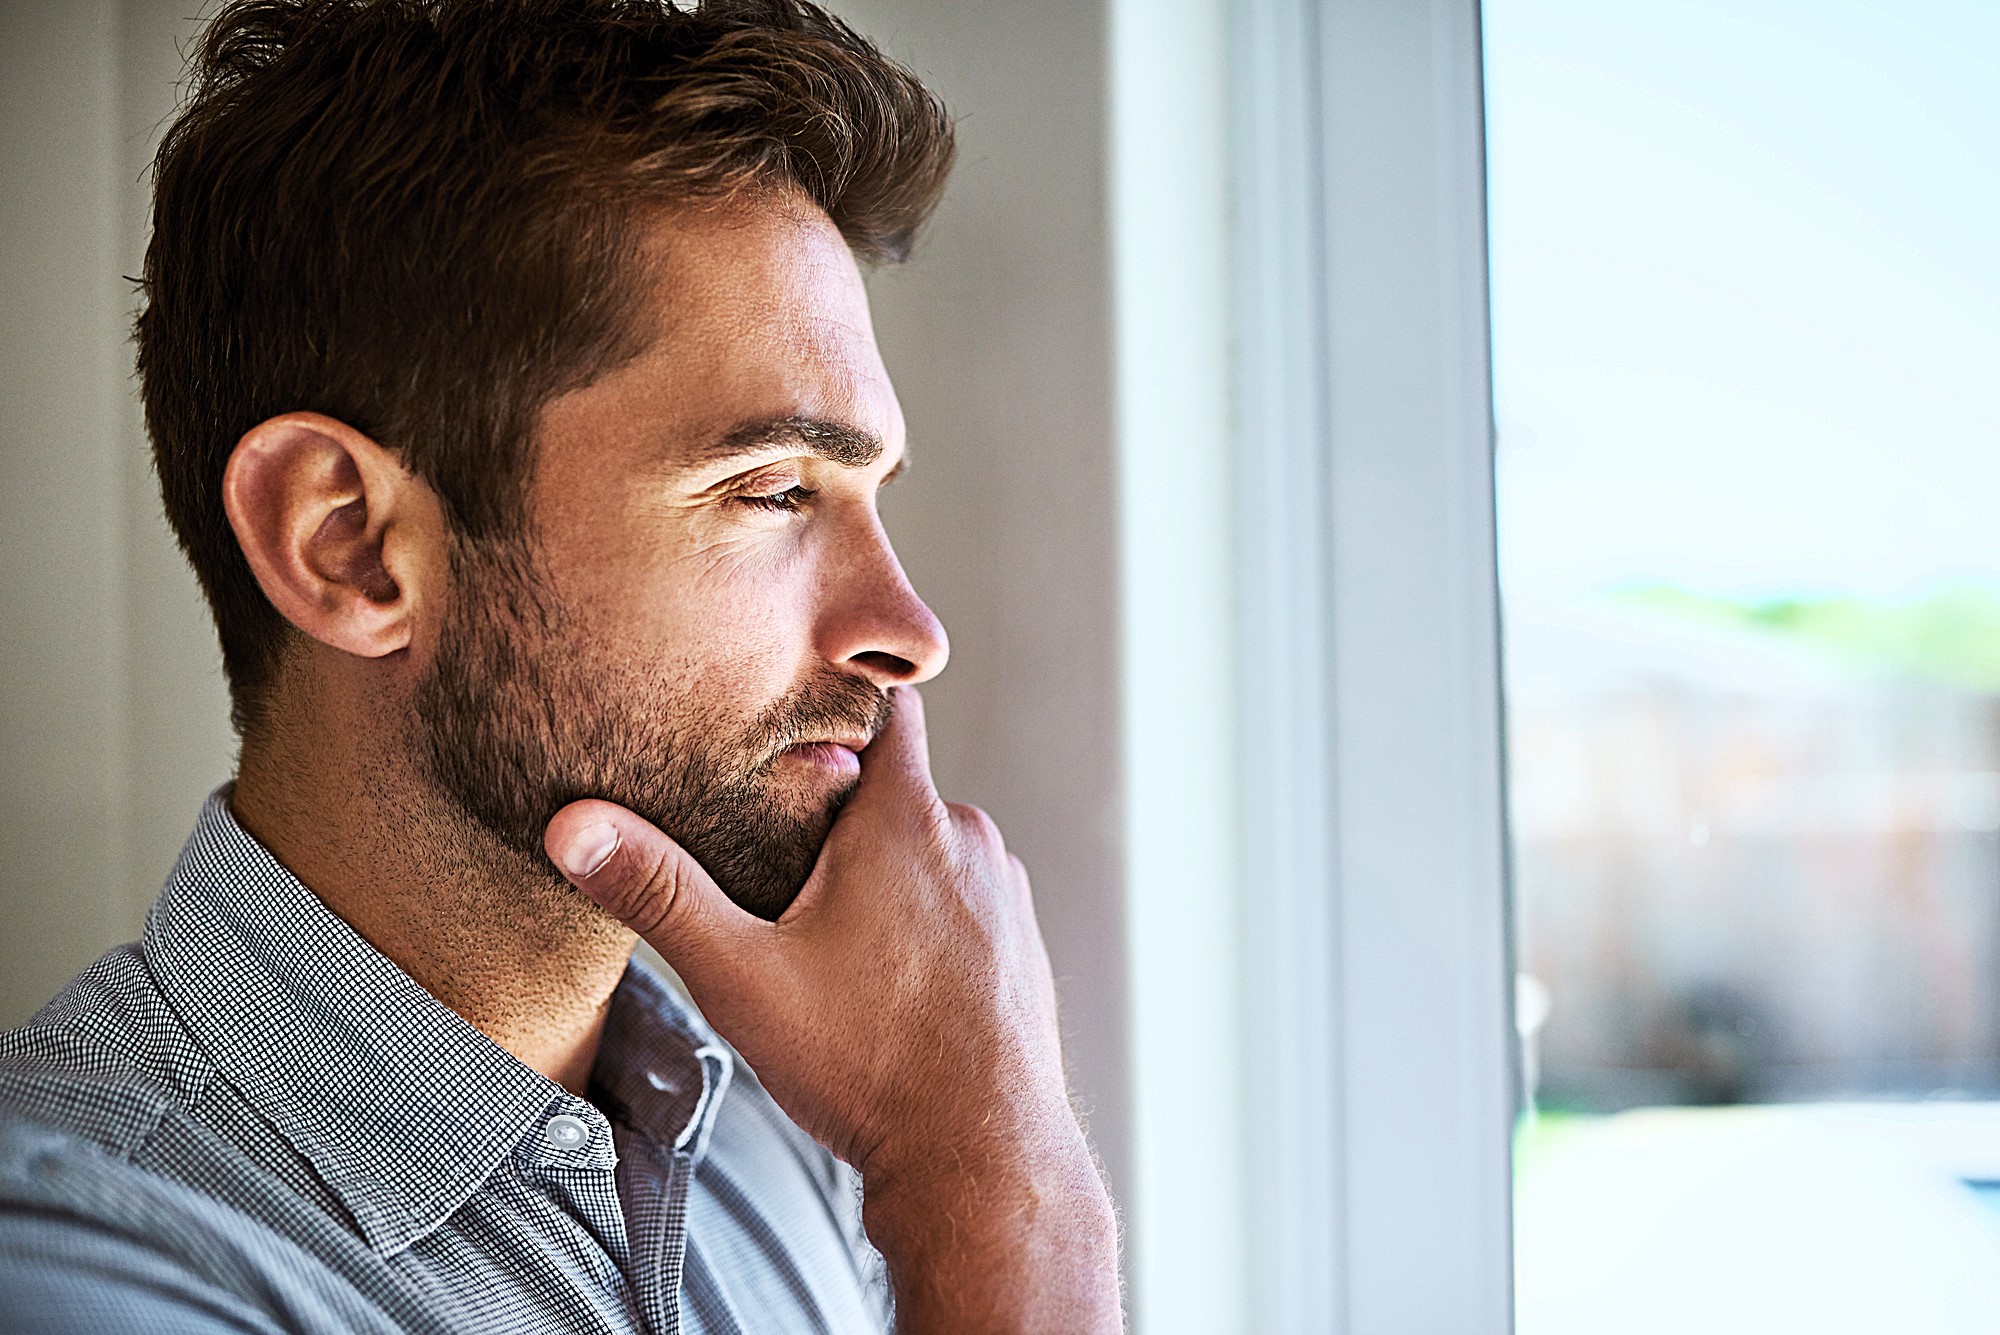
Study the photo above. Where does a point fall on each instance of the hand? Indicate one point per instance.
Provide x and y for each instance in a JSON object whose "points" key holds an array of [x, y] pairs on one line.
{"points": [[903, 1013]]}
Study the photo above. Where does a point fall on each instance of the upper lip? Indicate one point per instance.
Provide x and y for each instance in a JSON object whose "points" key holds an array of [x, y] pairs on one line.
{"points": [[852, 741]]}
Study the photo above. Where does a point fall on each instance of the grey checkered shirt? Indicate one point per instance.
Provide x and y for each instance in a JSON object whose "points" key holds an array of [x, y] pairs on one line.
{"points": [[253, 1121]]}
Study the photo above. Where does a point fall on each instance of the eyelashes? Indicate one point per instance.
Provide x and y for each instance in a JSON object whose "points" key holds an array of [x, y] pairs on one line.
{"points": [[788, 501]]}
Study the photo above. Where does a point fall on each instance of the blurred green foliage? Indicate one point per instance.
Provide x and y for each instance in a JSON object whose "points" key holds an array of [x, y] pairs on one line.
{"points": [[1948, 632], [1539, 1136]]}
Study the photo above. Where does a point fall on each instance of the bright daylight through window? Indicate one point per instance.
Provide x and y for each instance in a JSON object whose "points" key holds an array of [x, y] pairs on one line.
{"points": [[1746, 320]]}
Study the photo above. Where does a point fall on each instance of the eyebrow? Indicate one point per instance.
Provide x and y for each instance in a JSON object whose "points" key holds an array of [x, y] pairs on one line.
{"points": [[834, 441]]}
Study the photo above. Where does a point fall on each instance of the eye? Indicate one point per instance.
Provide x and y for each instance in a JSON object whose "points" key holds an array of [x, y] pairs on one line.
{"points": [[786, 501]]}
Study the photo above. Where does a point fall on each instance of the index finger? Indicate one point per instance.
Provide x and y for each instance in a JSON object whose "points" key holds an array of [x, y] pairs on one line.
{"points": [[899, 758]]}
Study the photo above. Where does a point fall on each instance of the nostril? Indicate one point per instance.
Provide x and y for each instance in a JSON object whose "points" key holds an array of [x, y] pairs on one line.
{"points": [[887, 665]]}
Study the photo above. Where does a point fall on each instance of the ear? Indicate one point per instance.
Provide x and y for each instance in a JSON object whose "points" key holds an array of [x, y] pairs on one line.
{"points": [[347, 544]]}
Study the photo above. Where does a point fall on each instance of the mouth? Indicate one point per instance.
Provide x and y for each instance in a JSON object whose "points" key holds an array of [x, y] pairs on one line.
{"points": [[839, 755]]}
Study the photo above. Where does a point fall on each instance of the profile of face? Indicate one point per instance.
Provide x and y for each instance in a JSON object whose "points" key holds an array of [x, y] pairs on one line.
{"points": [[706, 616]]}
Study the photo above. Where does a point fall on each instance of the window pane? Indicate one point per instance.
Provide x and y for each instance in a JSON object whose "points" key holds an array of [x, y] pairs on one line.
{"points": [[1747, 339]]}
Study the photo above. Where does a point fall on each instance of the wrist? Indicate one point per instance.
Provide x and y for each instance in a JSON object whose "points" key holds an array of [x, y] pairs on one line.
{"points": [[1020, 1165], [996, 1146], [965, 1223]]}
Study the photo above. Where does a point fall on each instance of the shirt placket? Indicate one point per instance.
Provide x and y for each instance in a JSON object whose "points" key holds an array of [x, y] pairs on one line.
{"points": [[573, 1159], [655, 1174], [653, 1184]]}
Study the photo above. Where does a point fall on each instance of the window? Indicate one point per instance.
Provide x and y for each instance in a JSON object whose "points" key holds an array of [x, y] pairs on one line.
{"points": [[1746, 315]]}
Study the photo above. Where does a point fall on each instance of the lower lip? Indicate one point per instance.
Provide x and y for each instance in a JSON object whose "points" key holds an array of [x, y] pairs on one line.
{"points": [[825, 755]]}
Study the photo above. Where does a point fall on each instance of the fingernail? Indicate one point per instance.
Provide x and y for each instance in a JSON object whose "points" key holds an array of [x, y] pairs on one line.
{"points": [[590, 849]]}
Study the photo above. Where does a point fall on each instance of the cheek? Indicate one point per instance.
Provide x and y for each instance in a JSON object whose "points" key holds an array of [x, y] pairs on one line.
{"points": [[731, 627]]}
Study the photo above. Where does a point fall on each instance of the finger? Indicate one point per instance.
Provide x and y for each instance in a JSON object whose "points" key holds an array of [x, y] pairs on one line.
{"points": [[626, 865], [899, 759], [977, 828]]}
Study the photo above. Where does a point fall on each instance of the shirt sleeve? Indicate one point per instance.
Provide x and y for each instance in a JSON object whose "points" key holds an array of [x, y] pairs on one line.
{"points": [[59, 1276], [91, 1243]]}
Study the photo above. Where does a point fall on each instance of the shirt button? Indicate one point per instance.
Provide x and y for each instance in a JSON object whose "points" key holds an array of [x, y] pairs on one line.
{"points": [[566, 1133], [662, 1083]]}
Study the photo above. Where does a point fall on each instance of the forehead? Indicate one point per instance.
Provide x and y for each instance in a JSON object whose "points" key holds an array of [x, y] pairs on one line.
{"points": [[758, 311]]}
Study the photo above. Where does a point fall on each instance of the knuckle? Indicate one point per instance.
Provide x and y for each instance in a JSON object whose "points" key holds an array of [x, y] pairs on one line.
{"points": [[975, 824], [646, 896], [1024, 889]]}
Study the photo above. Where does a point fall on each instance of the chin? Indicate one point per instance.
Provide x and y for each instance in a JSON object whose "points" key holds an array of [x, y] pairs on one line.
{"points": [[806, 789]]}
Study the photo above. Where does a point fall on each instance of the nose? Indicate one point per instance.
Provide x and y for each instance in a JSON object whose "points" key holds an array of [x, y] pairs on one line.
{"points": [[873, 623]]}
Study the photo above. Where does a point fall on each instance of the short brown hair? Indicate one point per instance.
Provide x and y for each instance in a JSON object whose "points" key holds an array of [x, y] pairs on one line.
{"points": [[417, 216]]}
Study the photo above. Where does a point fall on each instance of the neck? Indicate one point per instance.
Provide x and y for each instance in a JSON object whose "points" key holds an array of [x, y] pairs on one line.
{"points": [[493, 934]]}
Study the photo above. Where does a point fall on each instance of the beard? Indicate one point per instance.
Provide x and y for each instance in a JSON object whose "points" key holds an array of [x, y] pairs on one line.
{"points": [[520, 715]]}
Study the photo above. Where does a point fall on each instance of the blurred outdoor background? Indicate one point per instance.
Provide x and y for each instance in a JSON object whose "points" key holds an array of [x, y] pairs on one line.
{"points": [[1747, 344]]}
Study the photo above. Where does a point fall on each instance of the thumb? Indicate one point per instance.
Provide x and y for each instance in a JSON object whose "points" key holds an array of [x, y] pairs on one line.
{"points": [[634, 872]]}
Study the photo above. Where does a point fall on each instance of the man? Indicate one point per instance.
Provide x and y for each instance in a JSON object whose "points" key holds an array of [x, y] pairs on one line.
{"points": [[513, 393]]}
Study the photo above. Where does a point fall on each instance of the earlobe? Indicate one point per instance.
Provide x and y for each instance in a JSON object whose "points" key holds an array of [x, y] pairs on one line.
{"points": [[342, 539]]}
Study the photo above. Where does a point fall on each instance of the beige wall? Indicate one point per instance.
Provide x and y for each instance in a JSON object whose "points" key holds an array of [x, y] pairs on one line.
{"points": [[999, 336], [112, 726]]}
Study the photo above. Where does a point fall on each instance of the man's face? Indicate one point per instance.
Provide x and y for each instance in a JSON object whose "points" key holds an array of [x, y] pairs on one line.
{"points": [[708, 616]]}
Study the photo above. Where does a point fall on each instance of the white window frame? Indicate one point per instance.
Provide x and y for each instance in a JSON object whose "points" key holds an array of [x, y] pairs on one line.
{"points": [[1378, 1041]]}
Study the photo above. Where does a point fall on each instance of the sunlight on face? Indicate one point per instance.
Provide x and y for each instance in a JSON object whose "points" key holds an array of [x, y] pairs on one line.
{"points": [[709, 614]]}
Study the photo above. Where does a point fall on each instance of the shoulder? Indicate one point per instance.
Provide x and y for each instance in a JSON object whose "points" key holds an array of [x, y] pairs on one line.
{"points": [[105, 1058], [89, 1242], [111, 1019]]}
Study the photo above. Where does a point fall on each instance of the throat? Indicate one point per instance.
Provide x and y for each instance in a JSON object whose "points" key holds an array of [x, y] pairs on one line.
{"points": [[491, 933]]}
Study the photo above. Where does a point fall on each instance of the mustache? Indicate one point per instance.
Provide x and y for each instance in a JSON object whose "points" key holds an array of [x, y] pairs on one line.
{"points": [[834, 703]]}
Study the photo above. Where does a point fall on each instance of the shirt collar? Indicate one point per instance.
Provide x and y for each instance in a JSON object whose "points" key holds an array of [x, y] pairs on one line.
{"points": [[402, 1107], [659, 1069]]}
